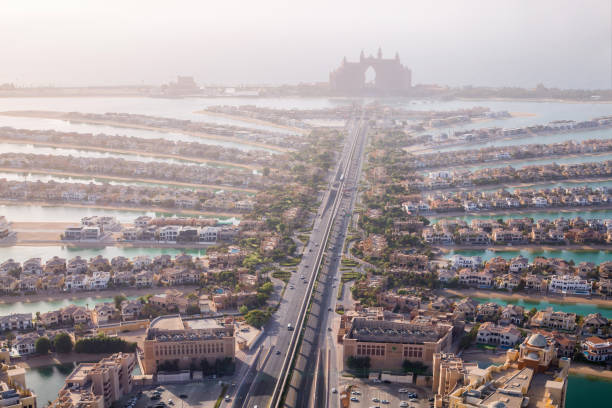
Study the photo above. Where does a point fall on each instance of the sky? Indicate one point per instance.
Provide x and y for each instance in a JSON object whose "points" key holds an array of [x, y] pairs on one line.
{"points": [[560, 43]]}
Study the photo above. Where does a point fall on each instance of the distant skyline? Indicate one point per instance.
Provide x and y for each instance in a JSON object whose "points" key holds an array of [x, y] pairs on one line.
{"points": [[562, 43]]}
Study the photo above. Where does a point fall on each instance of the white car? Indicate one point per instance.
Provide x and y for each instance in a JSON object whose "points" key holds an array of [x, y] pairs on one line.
{"points": [[334, 391], [403, 404]]}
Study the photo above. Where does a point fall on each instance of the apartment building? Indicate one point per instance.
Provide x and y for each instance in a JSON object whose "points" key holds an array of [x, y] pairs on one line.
{"points": [[187, 342], [389, 343], [97, 385]]}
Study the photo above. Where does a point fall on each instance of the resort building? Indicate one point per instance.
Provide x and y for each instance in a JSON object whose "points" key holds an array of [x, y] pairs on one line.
{"points": [[389, 343], [97, 385], [170, 339]]}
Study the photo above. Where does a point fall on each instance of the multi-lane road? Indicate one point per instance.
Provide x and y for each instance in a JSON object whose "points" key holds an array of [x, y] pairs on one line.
{"points": [[261, 387]]}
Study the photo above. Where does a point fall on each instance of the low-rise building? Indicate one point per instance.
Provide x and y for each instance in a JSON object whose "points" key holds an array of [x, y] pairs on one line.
{"points": [[549, 319], [569, 284], [490, 333], [597, 349], [16, 321]]}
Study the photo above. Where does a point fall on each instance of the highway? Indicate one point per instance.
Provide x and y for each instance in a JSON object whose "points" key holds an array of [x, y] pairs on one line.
{"points": [[258, 389]]}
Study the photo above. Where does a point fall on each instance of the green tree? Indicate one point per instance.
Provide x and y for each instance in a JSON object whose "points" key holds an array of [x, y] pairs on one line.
{"points": [[192, 309], [62, 343], [43, 345], [243, 310], [118, 300], [257, 318]]}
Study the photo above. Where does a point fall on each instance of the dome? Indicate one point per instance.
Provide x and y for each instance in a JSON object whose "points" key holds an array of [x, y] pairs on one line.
{"points": [[537, 340]]}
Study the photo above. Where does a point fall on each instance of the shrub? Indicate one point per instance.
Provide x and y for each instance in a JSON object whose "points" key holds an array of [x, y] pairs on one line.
{"points": [[62, 343], [104, 344]]}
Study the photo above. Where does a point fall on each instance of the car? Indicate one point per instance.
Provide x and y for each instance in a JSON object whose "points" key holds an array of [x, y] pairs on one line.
{"points": [[301, 276], [291, 287], [375, 399], [334, 390], [183, 396], [385, 401], [277, 352], [403, 404], [354, 399], [432, 399], [329, 329], [329, 309], [170, 402], [376, 381], [227, 398], [356, 393], [156, 397], [403, 390]]}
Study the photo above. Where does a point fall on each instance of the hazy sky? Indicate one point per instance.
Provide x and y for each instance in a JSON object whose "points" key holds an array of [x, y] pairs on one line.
{"points": [[563, 43]]}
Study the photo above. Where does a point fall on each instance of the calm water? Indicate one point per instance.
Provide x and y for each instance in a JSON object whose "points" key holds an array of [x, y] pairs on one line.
{"points": [[587, 392], [46, 381], [577, 256], [578, 308], [35, 213], [21, 253], [546, 215]]}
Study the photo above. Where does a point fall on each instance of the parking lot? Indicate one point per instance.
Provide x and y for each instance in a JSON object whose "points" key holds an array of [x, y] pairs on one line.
{"points": [[197, 394], [387, 395]]}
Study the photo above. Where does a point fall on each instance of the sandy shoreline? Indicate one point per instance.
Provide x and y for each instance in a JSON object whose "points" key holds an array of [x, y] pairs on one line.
{"points": [[177, 211], [131, 152], [62, 116], [252, 120], [606, 303], [127, 179]]}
